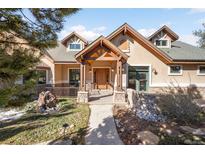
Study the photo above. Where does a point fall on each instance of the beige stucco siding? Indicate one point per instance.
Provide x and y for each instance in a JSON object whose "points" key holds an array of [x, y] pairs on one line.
{"points": [[139, 55], [49, 62]]}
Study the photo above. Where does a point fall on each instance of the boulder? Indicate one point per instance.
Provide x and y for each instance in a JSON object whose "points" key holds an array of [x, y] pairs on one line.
{"points": [[50, 99], [147, 137], [46, 100]]}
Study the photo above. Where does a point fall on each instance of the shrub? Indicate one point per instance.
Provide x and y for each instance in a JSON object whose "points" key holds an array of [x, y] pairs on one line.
{"points": [[178, 104]]}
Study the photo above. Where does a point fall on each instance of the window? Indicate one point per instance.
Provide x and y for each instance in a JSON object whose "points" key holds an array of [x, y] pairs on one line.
{"points": [[74, 77], [162, 43], [175, 70], [42, 76], [138, 77], [124, 45], [75, 46], [201, 70]]}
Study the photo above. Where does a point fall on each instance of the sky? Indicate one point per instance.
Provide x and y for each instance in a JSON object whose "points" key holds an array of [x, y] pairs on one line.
{"points": [[91, 23]]}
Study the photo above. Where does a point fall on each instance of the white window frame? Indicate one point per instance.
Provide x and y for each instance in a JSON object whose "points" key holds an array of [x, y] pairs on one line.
{"points": [[198, 70], [75, 49], [168, 43], [146, 65], [175, 74]]}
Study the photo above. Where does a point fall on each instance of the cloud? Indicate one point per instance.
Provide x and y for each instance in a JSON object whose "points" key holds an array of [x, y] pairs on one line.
{"points": [[90, 35], [190, 39], [147, 32], [196, 10]]}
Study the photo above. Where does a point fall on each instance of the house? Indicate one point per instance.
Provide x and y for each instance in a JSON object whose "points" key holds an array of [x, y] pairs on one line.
{"points": [[124, 59]]}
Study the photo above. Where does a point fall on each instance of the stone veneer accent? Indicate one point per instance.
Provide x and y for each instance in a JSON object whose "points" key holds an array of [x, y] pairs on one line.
{"points": [[119, 97], [82, 97]]}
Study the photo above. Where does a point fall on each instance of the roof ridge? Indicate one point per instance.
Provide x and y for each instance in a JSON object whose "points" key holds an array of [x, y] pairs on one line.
{"points": [[168, 29]]}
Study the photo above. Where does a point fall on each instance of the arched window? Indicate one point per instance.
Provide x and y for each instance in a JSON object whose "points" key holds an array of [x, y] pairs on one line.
{"points": [[124, 44]]}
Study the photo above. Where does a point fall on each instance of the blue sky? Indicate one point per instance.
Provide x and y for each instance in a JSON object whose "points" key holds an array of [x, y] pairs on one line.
{"points": [[94, 22]]}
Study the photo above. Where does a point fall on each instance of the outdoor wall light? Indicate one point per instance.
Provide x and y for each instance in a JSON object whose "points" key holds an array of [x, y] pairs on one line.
{"points": [[154, 71]]}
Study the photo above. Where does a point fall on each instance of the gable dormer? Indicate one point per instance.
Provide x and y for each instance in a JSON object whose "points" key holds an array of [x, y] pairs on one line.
{"points": [[163, 37], [74, 42]]}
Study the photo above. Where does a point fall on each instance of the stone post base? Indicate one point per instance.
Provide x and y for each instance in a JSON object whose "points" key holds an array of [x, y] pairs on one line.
{"points": [[82, 97], [119, 97]]}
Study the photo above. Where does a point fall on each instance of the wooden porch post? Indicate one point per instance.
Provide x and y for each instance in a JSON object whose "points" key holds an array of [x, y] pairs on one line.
{"points": [[84, 85], [119, 75], [82, 76]]}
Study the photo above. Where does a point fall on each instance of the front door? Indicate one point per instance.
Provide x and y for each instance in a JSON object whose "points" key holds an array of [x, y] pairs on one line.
{"points": [[101, 78]]}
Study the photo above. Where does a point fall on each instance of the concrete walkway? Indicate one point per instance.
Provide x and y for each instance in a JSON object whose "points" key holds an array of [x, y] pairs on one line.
{"points": [[101, 98], [102, 129]]}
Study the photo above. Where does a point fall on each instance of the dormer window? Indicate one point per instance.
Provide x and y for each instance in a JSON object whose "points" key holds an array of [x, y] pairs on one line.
{"points": [[75, 46], [162, 43]]}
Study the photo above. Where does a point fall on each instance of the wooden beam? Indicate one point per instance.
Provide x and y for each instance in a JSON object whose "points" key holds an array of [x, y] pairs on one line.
{"points": [[81, 76], [125, 30]]}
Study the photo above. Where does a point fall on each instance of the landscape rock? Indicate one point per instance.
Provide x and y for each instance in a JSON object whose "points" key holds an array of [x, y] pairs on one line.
{"points": [[147, 108], [147, 137], [198, 131], [46, 100]]}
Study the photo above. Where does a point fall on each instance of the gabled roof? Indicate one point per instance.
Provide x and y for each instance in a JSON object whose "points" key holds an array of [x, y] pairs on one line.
{"points": [[125, 28], [101, 41], [73, 34], [173, 35]]}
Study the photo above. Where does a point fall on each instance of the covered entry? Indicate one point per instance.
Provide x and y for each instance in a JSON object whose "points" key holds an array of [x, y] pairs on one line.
{"points": [[101, 67]]}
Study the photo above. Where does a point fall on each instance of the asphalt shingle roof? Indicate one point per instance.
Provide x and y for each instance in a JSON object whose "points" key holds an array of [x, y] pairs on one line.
{"points": [[60, 54], [179, 51], [184, 51]]}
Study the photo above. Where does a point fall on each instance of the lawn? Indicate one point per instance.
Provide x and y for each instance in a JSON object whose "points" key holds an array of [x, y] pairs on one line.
{"points": [[35, 128]]}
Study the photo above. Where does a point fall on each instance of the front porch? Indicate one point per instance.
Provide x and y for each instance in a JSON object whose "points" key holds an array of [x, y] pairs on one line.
{"points": [[101, 67]]}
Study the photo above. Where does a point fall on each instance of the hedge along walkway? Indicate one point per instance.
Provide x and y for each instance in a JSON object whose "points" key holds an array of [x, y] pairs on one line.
{"points": [[102, 129]]}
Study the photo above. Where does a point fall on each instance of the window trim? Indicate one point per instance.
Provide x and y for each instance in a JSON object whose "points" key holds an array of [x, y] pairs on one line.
{"points": [[175, 74], [75, 49], [198, 70], [150, 73], [168, 43]]}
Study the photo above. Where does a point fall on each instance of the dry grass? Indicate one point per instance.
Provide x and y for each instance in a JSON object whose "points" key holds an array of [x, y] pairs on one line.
{"points": [[34, 128]]}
